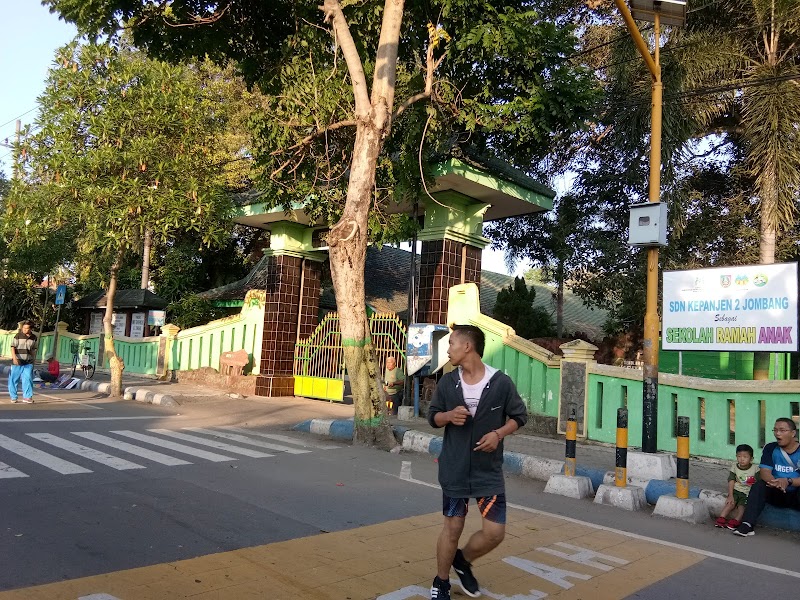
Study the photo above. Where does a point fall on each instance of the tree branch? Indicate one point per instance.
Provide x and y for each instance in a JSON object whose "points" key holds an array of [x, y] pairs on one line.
{"points": [[384, 79], [319, 132], [341, 31], [431, 65], [216, 16]]}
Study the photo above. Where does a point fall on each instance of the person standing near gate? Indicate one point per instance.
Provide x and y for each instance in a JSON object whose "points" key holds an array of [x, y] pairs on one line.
{"points": [[393, 382], [23, 353], [478, 406]]}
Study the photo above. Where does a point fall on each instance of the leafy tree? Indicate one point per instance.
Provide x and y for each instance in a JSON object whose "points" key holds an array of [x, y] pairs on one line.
{"points": [[191, 310], [123, 145], [514, 307], [21, 299], [489, 72], [185, 267], [556, 241]]}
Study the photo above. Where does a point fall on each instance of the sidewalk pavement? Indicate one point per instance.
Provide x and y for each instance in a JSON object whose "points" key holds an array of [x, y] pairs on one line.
{"points": [[538, 457], [142, 388]]}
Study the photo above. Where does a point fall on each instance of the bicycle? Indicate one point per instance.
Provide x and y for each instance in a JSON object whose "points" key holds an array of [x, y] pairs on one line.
{"points": [[83, 357]]}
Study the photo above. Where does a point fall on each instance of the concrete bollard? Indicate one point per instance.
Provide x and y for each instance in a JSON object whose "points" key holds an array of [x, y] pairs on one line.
{"points": [[680, 506], [621, 465], [621, 495], [568, 484], [682, 479], [571, 437]]}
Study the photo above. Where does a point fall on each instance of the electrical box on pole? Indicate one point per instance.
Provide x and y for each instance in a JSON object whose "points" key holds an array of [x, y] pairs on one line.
{"points": [[648, 224]]}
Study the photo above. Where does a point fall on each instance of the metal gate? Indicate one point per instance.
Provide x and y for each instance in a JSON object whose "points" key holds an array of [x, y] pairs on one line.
{"points": [[319, 370]]}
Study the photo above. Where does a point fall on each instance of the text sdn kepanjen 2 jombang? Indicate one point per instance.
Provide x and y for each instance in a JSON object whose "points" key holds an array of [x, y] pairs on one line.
{"points": [[731, 308]]}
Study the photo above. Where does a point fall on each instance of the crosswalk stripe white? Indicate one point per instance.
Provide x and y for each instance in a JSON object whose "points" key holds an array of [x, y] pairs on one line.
{"points": [[218, 445], [246, 440], [282, 438], [212, 456], [163, 459], [43, 458], [120, 464], [8, 472]]}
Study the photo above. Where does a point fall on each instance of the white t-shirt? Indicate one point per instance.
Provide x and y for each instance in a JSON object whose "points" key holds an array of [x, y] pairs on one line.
{"points": [[472, 393]]}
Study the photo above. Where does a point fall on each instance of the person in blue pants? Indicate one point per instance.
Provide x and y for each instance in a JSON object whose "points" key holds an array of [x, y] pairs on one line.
{"points": [[23, 353]]}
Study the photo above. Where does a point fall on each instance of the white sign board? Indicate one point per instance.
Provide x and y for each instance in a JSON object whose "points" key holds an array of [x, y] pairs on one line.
{"points": [[119, 321], [746, 308], [137, 324], [96, 323]]}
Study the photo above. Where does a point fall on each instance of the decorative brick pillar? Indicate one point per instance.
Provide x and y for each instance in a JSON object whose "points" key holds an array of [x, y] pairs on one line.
{"points": [[451, 252], [283, 316], [291, 309], [443, 264]]}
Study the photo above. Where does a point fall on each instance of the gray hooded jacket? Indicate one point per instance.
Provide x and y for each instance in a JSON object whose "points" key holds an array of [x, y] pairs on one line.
{"points": [[464, 473]]}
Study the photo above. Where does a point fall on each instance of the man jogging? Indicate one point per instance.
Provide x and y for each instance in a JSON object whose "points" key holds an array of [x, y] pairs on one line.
{"points": [[478, 406], [23, 353]]}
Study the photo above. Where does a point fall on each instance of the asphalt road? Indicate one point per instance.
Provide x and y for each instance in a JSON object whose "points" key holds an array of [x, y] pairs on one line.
{"points": [[90, 487]]}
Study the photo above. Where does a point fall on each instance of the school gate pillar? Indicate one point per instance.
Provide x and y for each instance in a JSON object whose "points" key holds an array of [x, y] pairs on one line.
{"points": [[291, 308], [452, 244]]}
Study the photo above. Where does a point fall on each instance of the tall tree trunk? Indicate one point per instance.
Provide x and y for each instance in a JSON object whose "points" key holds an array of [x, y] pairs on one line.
{"points": [[349, 237], [766, 253], [148, 242], [114, 361], [348, 247], [769, 202]]}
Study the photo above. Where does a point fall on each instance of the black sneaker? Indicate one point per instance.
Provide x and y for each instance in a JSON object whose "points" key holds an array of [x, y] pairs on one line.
{"points": [[744, 530], [466, 579], [440, 590]]}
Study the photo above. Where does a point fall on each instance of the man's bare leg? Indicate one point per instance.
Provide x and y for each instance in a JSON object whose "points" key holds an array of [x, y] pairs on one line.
{"points": [[447, 545], [484, 541]]}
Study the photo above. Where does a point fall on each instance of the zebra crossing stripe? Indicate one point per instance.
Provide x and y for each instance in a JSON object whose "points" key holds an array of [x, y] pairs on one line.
{"points": [[281, 438], [212, 456], [218, 445], [7, 472], [43, 458], [120, 464], [163, 459], [246, 440]]}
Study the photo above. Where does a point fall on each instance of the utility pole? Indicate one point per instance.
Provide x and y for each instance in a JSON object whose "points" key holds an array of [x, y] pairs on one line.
{"points": [[672, 12], [16, 146]]}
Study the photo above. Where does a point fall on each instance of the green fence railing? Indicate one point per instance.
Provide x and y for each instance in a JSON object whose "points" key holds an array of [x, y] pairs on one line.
{"points": [[722, 414]]}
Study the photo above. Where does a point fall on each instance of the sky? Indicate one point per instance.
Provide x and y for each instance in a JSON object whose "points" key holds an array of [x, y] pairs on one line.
{"points": [[27, 47], [30, 38]]}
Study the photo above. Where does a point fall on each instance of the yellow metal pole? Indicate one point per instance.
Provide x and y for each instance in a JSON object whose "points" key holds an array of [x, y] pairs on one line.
{"points": [[651, 323], [651, 329]]}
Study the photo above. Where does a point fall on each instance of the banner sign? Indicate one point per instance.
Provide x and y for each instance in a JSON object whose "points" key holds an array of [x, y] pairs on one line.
{"points": [[746, 308], [156, 318]]}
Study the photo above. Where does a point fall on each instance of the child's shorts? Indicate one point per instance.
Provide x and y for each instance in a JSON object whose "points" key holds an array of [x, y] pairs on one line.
{"points": [[739, 498]]}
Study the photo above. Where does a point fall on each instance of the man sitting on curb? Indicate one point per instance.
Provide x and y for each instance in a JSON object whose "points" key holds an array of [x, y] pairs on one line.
{"points": [[780, 476]]}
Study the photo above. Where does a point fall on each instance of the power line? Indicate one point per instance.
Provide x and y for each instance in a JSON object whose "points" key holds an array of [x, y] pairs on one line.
{"points": [[18, 116], [727, 87]]}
